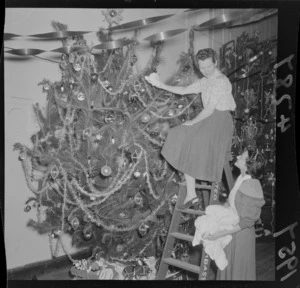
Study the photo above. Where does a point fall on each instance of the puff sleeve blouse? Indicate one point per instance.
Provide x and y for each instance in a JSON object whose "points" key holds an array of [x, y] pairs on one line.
{"points": [[249, 200]]}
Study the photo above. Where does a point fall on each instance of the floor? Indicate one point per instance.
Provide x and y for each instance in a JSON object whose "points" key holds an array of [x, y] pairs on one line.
{"points": [[265, 258]]}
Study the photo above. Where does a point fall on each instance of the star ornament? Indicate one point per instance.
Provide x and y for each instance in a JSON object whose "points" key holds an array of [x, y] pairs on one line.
{"points": [[113, 16]]}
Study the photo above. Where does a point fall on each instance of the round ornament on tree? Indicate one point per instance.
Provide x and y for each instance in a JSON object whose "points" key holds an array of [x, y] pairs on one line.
{"points": [[174, 199], [86, 133], [112, 13], [54, 172], [99, 137], [55, 233], [143, 230], [64, 57], [171, 112], [145, 118], [106, 83], [137, 174], [22, 156], [88, 235], [77, 67], [109, 118], [75, 223], [94, 77], [106, 170], [46, 87], [133, 59], [63, 65], [80, 96], [138, 199], [72, 86]]}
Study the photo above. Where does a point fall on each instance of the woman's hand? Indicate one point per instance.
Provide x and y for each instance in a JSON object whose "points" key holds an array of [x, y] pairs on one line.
{"points": [[215, 236], [154, 80], [188, 123], [210, 237]]}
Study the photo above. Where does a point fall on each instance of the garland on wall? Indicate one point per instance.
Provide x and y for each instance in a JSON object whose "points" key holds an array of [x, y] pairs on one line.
{"points": [[249, 63]]}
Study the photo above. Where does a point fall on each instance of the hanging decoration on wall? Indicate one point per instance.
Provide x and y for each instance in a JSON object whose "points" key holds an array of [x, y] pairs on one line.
{"points": [[226, 20], [114, 44], [140, 23], [250, 65], [58, 34], [253, 16], [221, 21], [9, 36], [25, 52], [164, 35]]}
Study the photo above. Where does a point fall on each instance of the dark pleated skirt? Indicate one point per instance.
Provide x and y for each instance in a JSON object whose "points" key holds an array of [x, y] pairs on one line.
{"points": [[199, 150]]}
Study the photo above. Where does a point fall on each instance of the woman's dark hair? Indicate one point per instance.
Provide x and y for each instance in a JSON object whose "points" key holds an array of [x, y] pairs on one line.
{"points": [[255, 164], [206, 53]]}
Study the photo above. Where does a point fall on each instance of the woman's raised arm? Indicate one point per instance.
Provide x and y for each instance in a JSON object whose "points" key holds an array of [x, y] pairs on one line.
{"points": [[154, 80]]}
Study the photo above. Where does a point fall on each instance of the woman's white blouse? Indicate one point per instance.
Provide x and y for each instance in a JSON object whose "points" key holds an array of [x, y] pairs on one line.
{"points": [[217, 89]]}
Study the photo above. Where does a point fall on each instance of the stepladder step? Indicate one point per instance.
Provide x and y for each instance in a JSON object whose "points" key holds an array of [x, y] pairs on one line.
{"points": [[182, 265], [182, 236], [180, 231], [191, 211]]}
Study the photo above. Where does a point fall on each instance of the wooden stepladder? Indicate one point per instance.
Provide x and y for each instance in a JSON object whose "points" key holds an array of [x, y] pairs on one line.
{"points": [[173, 234]]}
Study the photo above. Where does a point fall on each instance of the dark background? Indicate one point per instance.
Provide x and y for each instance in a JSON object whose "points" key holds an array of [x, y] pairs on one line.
{"points": [[287, 187]]}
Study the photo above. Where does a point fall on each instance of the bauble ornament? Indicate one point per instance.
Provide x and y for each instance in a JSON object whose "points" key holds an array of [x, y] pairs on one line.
{"points": [[99, 137], [143, 230], [86, 133], [112, 13], [55, 233], [138, 199], [46, 86], [77, 67], [137, 174], [106, 170], [54, 172], [94, 77], [87, 235], [22, 156], [75, 223], [106, 83], [80, 96], [145, 118], [109, 118], [171, 112]]}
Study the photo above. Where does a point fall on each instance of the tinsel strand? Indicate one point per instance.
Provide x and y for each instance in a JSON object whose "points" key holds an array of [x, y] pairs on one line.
{"points": [[150, 139], [148, 178], [176, 115], [163, 173]]}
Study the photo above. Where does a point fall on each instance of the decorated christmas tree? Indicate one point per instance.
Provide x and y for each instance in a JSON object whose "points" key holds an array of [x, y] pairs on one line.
{"points": [[95, 167]]}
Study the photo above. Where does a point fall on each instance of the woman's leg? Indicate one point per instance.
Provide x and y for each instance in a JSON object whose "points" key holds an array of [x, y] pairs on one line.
{"points": [[190, 188]]}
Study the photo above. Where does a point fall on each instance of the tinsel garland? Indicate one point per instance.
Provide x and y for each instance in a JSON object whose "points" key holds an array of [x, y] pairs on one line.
{"points": [[175, 115]]}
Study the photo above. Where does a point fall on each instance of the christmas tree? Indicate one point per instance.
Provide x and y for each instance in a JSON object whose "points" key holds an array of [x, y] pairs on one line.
{"points": [[95, 167]]}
